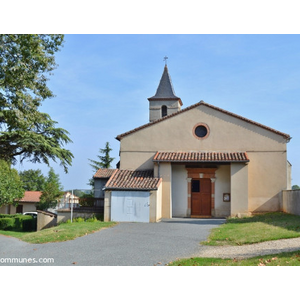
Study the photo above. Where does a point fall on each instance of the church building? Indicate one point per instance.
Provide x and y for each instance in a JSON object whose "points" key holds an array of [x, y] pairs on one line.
{"points": [[198, 161]]}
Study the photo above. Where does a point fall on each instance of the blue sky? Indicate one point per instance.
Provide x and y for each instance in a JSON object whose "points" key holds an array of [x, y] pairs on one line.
{"points": [[103, 81]]}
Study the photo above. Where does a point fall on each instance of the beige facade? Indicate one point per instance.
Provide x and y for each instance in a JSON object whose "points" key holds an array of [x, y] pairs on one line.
{"points": [[232, 187]]}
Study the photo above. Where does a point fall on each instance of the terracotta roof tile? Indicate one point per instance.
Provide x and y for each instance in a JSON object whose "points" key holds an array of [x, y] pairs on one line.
{"points": [[104, 173], [132, 180], [201, 157], [31, 196], [120, 136]]}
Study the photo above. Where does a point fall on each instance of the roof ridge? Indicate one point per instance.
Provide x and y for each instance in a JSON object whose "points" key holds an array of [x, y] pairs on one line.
{"points": [[285, 135]]}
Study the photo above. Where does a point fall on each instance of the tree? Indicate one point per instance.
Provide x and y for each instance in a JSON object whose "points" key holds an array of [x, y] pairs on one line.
{"points": [[104, 160], [10, 185], [103, 163], [25, 132], [51, 193], [33, 180], [295, 187]]}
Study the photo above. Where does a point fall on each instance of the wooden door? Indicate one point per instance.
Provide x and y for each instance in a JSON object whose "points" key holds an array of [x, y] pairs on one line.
{"points": [[201, 197]]}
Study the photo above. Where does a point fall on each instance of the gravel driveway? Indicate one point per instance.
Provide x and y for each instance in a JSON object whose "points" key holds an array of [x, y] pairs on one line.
{"points": [[126, 244]]}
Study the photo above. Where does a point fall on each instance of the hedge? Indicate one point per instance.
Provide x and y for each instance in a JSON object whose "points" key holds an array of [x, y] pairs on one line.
{"points": [[18, 223]]}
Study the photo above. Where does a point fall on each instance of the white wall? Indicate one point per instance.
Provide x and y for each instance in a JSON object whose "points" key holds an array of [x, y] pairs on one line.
{"points": [[179, 191]]}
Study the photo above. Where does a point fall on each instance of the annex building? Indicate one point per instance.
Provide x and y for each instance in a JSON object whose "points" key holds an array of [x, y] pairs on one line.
{"points": [[198, 161]]}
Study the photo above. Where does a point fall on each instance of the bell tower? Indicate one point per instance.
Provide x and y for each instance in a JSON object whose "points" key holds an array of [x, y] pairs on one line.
{"points": [[164, 102]]}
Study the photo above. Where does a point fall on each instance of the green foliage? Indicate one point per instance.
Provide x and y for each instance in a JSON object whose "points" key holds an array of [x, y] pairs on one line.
{"points": [[10, 185], [25, 132], [51, 193], [33, 180], [18, 223], [7, 223], [104, 161], [295, 187]]}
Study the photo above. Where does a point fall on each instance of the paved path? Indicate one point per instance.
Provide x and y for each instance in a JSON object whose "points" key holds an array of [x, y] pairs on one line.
{"points": [[126, 244], [246, 251]]}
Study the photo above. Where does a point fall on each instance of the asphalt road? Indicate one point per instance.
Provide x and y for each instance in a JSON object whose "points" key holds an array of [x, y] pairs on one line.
{"points": [[126, 244]]}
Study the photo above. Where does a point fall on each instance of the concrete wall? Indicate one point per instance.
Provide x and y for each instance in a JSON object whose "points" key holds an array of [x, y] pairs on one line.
{"points": [[45, 220], [291, 202], [64, 215]]}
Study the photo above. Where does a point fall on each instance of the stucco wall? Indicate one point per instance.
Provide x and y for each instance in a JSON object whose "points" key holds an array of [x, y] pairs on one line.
{"points": [[179, 191], [239, 189], [176, 134], [267, 178], [222, 185]]}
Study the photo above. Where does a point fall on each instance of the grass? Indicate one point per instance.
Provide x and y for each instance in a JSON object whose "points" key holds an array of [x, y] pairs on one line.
{"points": [[249, 230], [282, 259], [255, 229], [60, 233]]}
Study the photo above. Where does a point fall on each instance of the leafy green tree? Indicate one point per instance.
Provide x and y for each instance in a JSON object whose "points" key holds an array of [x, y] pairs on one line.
{"points": [[52, 192], [33, 180], [295, 187], [25, 132], [11, 189], [104, 161]]}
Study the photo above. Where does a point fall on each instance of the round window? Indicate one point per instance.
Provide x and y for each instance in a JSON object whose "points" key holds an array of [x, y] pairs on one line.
{"points": [[201, 131]]}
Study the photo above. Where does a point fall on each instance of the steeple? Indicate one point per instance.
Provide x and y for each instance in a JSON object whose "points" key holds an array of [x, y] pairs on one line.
{"points": [[164, 102]]}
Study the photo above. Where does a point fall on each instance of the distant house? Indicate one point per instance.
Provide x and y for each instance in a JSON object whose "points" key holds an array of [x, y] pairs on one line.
{"points": [[67, 201], [100, 179], [27, 203]]}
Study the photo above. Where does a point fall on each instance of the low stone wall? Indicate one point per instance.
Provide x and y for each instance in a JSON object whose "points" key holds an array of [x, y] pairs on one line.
{"points": [[64, 215], [45, 220], [291, 202]]}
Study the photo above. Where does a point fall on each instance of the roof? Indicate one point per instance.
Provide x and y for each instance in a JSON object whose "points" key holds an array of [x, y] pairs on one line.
{"points": [[165, 89], [202, 103], [31, 196], [104, 173], [201, 157], [133, 180]]}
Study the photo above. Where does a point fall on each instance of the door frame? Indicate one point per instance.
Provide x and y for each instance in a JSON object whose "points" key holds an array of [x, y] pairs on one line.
{"points": [[199, 173]]}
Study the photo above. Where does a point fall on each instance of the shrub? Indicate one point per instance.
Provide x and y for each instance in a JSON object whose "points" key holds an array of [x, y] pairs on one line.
{"points": [[92, 219], [7, 223], [29, 223], [79, 219], [18, 223]]}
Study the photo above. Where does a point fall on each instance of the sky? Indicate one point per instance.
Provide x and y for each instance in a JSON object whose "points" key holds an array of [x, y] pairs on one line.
{"points": [[102, 83]]}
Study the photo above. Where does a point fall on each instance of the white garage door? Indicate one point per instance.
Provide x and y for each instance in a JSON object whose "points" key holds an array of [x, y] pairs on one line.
{"points": [[130, 206]]}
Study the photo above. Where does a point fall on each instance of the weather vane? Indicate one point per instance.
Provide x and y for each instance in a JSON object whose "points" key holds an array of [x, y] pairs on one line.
{"points": [[165, 59]]}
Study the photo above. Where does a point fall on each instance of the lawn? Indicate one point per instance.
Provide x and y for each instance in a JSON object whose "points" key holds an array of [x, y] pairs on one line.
{"points": [[255, 229], [249, 230], [282, 259], [60, 233]]}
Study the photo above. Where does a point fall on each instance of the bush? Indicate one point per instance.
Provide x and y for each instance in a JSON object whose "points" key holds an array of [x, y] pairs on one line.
{"points": [[29, 223], [18, 223], [92, 219], [7, 223]]}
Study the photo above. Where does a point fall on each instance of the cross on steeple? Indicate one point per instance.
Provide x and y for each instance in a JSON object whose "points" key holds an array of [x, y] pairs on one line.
{"points": [[165, 59]]}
